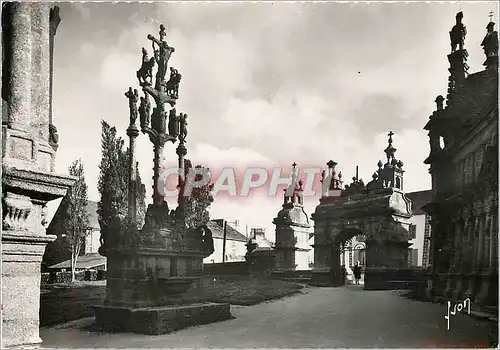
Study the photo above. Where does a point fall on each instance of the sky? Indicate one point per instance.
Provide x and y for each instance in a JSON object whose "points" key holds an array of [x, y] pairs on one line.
{"points": [[265, 84]]}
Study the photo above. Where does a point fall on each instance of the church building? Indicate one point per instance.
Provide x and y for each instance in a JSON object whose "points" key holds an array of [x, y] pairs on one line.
{"points": [[463, 160]]}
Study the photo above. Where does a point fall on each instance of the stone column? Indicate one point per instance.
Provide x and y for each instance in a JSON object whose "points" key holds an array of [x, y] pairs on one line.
{"points": [[488, 293], [493, 255], [132, 133], [55, 19], [457, 292], [480, 259], [456, 233], [19, 76], [158, 151], [28, 181], [474, 250], [181, 155], [40, 70]]}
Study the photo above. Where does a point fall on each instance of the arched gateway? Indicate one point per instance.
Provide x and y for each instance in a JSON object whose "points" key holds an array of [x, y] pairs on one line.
{"points": [[377, 214]]}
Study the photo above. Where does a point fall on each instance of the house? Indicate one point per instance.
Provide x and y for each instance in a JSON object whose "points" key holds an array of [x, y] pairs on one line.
{"points": [[463, 162], [420, 228], [235, 243], [258, 235], [59, 250], [84, 262]]}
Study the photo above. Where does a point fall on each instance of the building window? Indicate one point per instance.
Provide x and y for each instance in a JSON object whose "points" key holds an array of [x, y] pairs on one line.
{"points": [[442, 144], [413, 231]]}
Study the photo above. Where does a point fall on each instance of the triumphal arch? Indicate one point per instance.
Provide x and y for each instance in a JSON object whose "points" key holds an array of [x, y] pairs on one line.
{"points": [[377, 213]]}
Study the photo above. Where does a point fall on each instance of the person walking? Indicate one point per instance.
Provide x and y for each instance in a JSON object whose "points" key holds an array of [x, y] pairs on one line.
{"points": [[343, 272], [357, 272]]}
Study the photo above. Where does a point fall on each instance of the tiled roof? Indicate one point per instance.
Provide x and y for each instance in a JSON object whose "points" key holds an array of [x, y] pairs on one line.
{"points": [[86, 261], [93, 218], [231, 234], [418, 200]]}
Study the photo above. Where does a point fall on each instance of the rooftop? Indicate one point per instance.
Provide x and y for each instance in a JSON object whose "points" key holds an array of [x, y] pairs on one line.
{"points": [[217, 228], [419, 199], [86, 261]]}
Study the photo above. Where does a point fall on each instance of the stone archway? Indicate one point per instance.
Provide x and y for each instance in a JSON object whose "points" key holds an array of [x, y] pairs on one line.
{"points": [[380, 219]]}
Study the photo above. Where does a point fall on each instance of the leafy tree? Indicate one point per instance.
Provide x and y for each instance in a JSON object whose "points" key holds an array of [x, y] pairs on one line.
{"points": [[75, 217], [197, 203], [113, 184]]}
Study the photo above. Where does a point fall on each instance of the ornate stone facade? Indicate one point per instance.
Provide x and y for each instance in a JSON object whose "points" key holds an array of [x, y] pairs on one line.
{"points": [[28, 179], [464, 170], [379, 211]]}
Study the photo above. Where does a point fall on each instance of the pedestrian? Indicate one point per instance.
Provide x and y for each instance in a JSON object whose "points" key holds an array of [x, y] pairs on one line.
{"points": [[357, 272], [344, 274]]}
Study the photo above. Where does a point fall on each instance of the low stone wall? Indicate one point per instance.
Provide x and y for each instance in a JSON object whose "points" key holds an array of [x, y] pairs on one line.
{"points": [[394, 278], [261, 261], [231, 268]]}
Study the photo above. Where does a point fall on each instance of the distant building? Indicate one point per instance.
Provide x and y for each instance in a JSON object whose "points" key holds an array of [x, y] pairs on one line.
{"points": [[258, 236], [235, 243], [420, 229], [59, 250]]}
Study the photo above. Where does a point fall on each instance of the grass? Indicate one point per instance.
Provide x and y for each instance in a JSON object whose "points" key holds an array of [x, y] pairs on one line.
{"points": [[61, 303]]}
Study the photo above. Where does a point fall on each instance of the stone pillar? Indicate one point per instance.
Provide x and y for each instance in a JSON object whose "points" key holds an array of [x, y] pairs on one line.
{"points": [[40, 70], [54, 19], [181, 155], [480, 260], [473, 253], [19, 99], [461, 285], [157, 197], [132, 133], [456, 234], [28, 181], [488, 293]]}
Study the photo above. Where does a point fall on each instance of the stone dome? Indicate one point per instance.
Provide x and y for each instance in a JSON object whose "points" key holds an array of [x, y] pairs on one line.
{"points": [[295, 215]]}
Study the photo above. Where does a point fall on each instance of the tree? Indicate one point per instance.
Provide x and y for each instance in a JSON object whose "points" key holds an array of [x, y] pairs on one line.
{"points": [[75, 217], [197, 203], [113, 184]]}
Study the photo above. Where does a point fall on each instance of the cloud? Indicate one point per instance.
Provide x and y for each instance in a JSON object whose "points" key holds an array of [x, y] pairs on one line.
{"points": [[271, 83]]}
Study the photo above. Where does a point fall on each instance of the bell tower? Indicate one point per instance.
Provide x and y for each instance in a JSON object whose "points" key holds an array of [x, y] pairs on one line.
{"points": [[392, 172]]}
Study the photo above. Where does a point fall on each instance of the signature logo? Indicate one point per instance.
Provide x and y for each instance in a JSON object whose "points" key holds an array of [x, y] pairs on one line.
{"points": [[457, 307]]}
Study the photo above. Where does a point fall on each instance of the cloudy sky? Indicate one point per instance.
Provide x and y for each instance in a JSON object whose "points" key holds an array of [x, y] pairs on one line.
{"points": [[265, 84]]}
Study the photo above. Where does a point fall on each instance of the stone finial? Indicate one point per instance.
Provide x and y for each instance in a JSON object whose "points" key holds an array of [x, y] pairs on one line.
{"points": [[331, 164], [390, 150], [439, 102], [490, 45]]}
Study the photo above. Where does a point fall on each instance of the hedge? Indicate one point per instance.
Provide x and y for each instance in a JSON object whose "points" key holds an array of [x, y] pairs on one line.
{"points": [[65, 277]]}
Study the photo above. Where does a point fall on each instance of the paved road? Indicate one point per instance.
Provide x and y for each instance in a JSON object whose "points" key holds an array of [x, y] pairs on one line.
{"points": [[322, 317]]}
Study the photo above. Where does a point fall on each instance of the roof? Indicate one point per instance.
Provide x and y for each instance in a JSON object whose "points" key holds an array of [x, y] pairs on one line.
{"points": [[418, 200], [86, 261], [93, 217], [231, 234]]}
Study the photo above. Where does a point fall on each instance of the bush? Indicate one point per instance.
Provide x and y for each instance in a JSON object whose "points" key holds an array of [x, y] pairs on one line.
{"points": [[45, 278], [90, 275], [79, 275], [63, 277], [101, 275]]}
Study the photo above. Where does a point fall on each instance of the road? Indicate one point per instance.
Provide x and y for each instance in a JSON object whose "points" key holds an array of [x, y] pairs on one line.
{"points": [[322, 317]]}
